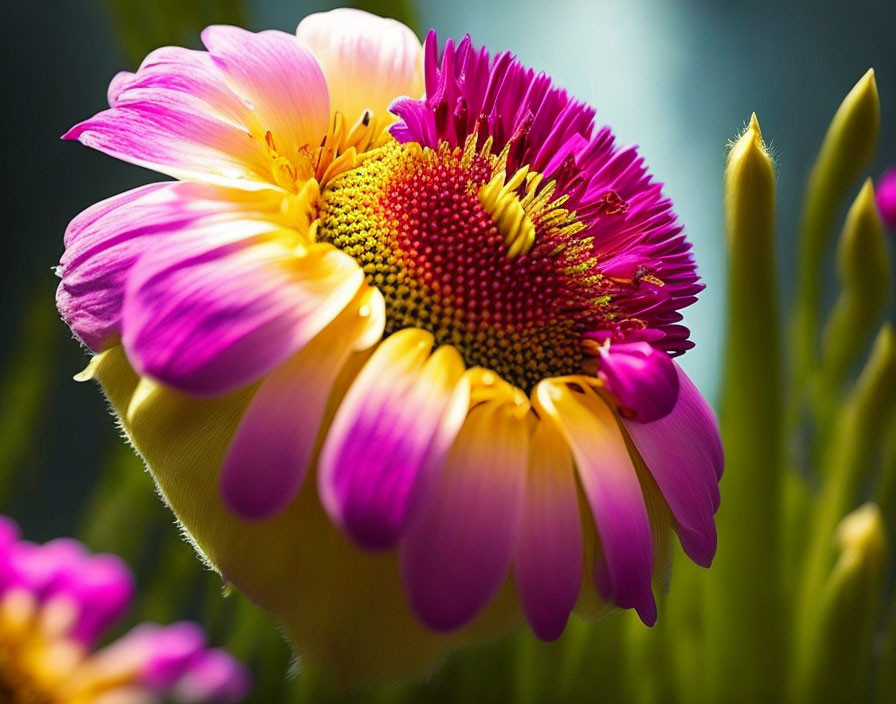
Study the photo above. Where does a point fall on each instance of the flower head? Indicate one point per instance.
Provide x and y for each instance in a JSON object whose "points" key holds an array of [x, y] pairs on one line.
{"points": [[457, 317], [57, 600]]}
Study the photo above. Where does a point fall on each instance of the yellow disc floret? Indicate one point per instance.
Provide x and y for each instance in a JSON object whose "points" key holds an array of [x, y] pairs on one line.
{"points": [[487, 262]]}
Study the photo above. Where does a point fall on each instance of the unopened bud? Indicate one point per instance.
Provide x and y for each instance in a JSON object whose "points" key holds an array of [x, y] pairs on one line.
{"points": [[864, 269], [838, 669]]}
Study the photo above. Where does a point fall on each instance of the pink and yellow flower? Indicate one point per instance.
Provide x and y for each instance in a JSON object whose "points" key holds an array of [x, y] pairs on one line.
{"points": [[56, 601], [417, 288]]}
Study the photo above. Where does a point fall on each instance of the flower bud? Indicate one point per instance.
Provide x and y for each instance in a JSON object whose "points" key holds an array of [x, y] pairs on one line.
{"points": [[742, 591], [855, 440], [641, 378], [838, 666], [864, 270], [846, 151]]}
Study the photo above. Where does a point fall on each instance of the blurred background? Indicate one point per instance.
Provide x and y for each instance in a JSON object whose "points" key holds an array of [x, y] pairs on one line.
{"points": [[680, 78]]}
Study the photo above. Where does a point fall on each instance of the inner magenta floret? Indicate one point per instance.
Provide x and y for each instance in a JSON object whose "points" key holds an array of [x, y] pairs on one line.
{"points": [[414, 219]]}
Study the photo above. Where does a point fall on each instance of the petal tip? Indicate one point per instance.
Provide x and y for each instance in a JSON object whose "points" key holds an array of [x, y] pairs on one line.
{"points": [[647, 611], [73, 134]]}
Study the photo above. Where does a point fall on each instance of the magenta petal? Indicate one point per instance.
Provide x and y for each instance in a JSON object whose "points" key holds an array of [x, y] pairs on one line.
{"points": [[278, 79], [416, 120], [886, 198], [268, 459], [205, 116], [178, 116], [613, 490], [9, 534], [103, 243], [213, 676], [168, 651], [216, 311], [270, 454], [636, 251], [641, 378], [683, 452], [393, 426], [39, 568], [548, 562], [100, 251], [102, 587], [457, 553]]}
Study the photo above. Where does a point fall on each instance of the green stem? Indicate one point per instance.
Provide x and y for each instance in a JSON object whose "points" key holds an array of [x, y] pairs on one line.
{"points": [[744, 633], [856, 438], [25, 387], [885, 689], [838, 659]]}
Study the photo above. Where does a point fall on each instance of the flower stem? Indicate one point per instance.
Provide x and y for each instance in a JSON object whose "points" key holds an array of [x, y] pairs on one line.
{"points": [[744, 634], [856, 438]]}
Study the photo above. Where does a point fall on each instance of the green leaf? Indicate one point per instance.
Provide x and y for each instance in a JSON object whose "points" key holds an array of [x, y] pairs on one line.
{"points": [[401, 10], [25, 388], [144, 25]]}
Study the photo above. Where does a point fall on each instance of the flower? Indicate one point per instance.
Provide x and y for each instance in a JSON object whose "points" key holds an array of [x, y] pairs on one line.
{"points": [[56, 601], [397, 365], [886, 198]]}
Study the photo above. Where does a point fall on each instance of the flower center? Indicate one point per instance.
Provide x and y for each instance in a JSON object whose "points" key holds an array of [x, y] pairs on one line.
{"points": [[34, 655], [338, 151], [489, 263], [16, 685]]}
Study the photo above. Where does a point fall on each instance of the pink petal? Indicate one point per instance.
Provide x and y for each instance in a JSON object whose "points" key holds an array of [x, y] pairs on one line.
{"points": [[9, 532], [611, 485], [213, 312], [548, 563], [278, 78], [457, 553], [368, 61], [99, 586], [9, 538], [166, 651], [213, 676], [103, 243], [176, 115], [269, 457], [886, 198], [102, 587], [396, 422], [640, 377], [684, 453], [39, 568], [205, 116]]}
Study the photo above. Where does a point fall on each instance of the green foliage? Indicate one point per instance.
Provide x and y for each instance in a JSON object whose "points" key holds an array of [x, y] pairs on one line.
{"points": [[25, 385], [144, 25], [401, 10]]}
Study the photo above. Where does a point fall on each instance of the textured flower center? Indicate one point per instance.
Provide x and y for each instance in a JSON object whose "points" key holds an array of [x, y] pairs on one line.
{"points": [[488, 262]]}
